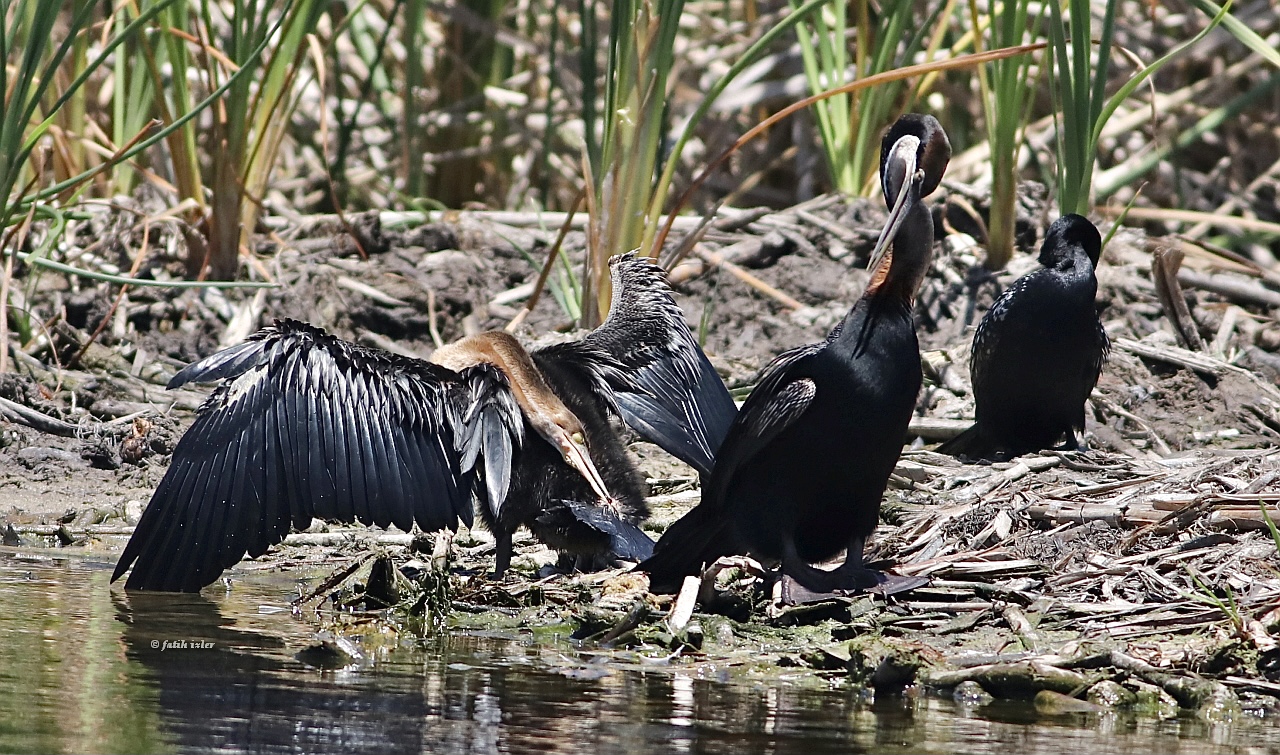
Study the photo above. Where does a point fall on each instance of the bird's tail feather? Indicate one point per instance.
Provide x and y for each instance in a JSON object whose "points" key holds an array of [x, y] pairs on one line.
{"points": [[691, 542], [626, 540], [972, 443]]}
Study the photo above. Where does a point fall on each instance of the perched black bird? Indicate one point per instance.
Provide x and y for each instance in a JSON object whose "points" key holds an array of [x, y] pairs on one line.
{"points": [[306, 425], [800, 474], [1038, 351]]}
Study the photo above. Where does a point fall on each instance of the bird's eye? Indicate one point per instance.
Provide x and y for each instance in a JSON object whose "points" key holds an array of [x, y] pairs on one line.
{"points": [[577, 438]]}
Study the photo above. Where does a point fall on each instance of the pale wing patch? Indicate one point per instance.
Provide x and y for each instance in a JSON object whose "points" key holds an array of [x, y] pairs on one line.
{"points": [[245, 383]]}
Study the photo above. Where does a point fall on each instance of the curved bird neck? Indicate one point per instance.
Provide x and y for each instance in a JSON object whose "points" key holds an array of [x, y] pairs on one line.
{"points": [[1070, 279], [902, 270], [894, 282], [541, 406]]}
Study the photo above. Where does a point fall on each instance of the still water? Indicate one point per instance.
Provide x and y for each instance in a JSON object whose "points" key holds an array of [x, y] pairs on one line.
{"points": [[86, 668]]}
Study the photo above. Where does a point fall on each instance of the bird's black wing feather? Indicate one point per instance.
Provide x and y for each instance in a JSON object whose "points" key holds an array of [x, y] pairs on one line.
{"points": [[491, 430], [701, 535], [230, 362], [651, 369], [974, 442], [303, 425], [986, 339], [777, 401], [1099, 355]]}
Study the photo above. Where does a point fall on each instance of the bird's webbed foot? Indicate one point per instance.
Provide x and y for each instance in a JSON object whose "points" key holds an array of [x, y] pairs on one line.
{"points": [[577, 563], [1075, 442], [851, 577]]}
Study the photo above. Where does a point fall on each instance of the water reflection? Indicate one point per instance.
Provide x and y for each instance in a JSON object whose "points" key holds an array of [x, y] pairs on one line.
{"points": [[64, 680], [87, 668], [226, 688]]}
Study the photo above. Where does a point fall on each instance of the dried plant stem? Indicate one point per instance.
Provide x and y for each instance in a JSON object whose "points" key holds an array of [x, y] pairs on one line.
{"points": [[963, 61], [543, 274], [1220, 220], [750, 280]]}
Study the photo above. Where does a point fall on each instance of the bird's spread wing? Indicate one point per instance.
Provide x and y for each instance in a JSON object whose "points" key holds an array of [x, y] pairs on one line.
{"points": [[303, 425], [702, 535], [490, 430], [777, 401], [652, 369]]}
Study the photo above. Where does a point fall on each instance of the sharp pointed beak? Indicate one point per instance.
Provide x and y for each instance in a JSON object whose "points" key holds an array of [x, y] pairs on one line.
{"points": [[575, 454], [899, 176]]}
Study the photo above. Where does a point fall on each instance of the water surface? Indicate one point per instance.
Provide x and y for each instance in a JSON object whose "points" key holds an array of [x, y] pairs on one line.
{"points": [[86, 668]]}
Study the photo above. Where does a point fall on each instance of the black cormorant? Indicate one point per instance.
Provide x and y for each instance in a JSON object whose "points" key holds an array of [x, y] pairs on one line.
{"points": [[1038, 351]]}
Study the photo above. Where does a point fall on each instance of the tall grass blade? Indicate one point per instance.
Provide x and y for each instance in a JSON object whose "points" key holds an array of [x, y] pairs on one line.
{"points": [[641, 57], [749, 56], [1241, 32], [900, 74], [1007, 94], [1080, 94]]}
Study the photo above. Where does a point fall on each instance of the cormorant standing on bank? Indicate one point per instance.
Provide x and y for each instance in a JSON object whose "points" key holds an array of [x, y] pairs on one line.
{"points": [[800, 474], [1038, 351]]}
